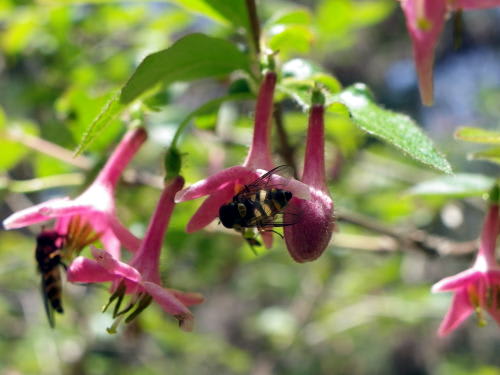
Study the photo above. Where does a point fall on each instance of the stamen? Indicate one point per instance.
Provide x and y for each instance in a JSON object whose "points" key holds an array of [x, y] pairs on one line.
{"points": [[185, 321], [125, 310], [481, 321], [119, 292], [489, 297], [473, 295], [80, 234], [143, 303], [112, 330]]}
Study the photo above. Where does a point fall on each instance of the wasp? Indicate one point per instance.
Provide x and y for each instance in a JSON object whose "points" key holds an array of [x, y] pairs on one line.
{"points": [[48, 256], [257, 206]]}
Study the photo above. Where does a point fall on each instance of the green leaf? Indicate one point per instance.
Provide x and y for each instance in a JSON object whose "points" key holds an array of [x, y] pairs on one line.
{"points": [[478, 135], [209, 107], [300, 90], [290, 39], [300, 16], [394, 128], [192, 57], [459, 186], [491, 154], [223, 11], [108, 113]]}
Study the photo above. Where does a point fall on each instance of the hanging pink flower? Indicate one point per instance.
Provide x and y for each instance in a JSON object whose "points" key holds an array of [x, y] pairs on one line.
{"points": [[478, 288], [141, 278], [308, 238], [424, 21], [222, 186], [95, 207]]}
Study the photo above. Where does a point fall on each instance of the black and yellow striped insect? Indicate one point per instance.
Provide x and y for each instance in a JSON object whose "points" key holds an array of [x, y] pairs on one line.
{"points": [[257, 206], [48, 256]]}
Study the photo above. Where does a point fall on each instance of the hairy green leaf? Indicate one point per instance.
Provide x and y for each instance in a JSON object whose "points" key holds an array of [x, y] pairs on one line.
{"points": [[110, 110], [459, 185], [192, 57], [478, 135], [394, 128]]}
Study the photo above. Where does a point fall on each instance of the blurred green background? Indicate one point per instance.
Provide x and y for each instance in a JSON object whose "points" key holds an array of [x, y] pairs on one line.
{"points": [[363, 308]]}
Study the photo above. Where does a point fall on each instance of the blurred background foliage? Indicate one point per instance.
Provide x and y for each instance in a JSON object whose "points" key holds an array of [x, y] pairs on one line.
{"points": [[363, 308]]}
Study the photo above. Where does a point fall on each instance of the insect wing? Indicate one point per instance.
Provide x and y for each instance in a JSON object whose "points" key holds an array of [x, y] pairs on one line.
{"points": [[289, 216], [46, 303], [276, 178]]}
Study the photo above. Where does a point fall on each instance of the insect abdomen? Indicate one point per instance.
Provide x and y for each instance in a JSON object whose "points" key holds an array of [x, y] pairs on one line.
{"points": [[274, 199], [52, 288]]}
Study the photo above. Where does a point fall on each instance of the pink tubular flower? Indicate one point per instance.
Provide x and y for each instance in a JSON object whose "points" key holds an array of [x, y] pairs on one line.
{"points": [[424, 21], [308, 238], [94, 207], [140, 278], [478, 287], [222, 186]]}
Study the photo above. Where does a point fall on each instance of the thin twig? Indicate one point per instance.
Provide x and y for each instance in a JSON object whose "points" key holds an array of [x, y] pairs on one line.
{"points": [[50, 149], [411, 239], [254, 24]]}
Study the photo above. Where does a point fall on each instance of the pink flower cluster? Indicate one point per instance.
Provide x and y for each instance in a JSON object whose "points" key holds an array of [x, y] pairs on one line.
{"points": [[309, 236], [91, 217], [425, 20]]}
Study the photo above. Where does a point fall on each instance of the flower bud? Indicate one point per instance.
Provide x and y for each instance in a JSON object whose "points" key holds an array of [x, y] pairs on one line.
{"points": [[308, 238]]}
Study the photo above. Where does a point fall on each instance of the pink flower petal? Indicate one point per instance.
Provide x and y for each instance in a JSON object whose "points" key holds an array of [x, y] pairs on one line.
{"points": [[424, 20], [115, 267], [209, 209], [121, 157], [111, 244], [170, 304], [187, 299], [43, 211], [216, 182], [457, 281], [84, 270], [494, 276], [259, 154], [127, 239], [459, 310]]}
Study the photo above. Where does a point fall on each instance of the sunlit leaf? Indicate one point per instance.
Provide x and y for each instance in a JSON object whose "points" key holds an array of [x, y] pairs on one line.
{"points": [[211, 106], [300, 89], [478, 135], [112, 108], [491, 154], [394, 128], [459, 185], [290, 38], [229, 12], [192, 57], [300, 16]]}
